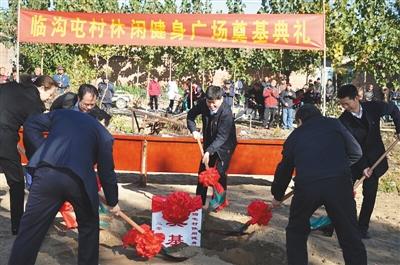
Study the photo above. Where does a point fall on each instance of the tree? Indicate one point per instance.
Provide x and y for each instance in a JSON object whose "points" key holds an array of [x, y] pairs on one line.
{"points": [[186, 6], [363, 35], [366, 34], [288, 61], [170, 6], [235, 6]]}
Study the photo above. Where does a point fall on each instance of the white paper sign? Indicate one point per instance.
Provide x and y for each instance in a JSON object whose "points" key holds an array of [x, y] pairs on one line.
{"points": [[188, 233]]}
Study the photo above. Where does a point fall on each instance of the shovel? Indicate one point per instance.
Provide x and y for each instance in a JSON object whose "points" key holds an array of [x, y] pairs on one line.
{"points": [[326, 219], [360, 181], [242, 230], [219, 200], [163, 250]]}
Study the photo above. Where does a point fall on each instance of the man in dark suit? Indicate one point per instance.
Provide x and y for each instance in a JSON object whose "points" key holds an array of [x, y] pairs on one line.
{"points": [[84, 101], [219, 135], [363, 122], [62, 166], [327, 183], [17, 102]]}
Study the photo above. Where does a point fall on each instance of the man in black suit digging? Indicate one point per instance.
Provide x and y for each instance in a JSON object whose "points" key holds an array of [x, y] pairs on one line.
{"points": [[17, 102], [362, 119]]}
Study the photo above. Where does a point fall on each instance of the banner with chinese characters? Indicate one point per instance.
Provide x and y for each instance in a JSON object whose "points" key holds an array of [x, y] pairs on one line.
{"points": [[265, 31]]}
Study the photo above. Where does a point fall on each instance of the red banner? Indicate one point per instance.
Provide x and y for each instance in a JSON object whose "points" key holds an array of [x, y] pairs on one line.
{"points": [[265, 31]]}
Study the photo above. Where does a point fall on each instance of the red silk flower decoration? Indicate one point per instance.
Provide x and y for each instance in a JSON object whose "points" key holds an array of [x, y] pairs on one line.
{"points": [[98, 183], [177, 207], [259, 212], [66, 207], [209, 177], [67, 212], [147, 244]]}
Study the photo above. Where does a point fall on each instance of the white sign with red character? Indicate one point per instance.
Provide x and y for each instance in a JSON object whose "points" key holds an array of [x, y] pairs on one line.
{"points": [[178, 217]]}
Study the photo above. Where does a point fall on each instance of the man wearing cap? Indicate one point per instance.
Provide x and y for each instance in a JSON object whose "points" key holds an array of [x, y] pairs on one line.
{"points": [[62, 80]]}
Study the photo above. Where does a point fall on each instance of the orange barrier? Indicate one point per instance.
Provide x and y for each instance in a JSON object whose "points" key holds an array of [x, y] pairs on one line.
{"points": [[181, 155], [149, 154]]}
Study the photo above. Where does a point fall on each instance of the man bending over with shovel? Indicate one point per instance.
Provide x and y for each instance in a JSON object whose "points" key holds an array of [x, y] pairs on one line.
{"points": [[62, 166], [327, 183]]}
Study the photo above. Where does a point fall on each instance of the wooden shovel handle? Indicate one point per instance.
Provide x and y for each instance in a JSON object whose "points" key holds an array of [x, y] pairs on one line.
{"points": [[125, 217], [131, 222], [358, 182], [200, 147], [288, 195], [202, 151]]}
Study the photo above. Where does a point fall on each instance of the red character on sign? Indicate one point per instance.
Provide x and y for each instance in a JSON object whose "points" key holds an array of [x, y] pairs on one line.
{"points": [[174, 240]]}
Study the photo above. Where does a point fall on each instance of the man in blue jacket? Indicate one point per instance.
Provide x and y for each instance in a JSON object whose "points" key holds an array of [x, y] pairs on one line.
{"points": [[62, 80], [327, 182], [62, 166]]}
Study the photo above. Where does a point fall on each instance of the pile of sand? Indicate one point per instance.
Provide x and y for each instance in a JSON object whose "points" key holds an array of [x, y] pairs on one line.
{"points": [[263, 245]]}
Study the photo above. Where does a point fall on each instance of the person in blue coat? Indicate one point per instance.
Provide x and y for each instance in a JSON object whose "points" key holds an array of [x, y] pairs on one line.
{"points": [[62, 166], [327, 183], [62, 80]]}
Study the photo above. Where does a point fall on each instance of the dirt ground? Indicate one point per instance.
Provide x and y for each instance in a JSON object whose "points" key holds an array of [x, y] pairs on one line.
{"points": [[264, 245]]}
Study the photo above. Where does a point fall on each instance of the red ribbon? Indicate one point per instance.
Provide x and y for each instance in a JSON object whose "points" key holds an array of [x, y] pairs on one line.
{"points": [[209, 177], [98, 183], [147, 244], [66, 207], [66, 211], [259, 212], [157, 203], [176, 207]]}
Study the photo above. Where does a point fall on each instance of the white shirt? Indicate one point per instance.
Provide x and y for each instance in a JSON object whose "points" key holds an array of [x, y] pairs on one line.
{"points": [[173, 90], [359, 114]]}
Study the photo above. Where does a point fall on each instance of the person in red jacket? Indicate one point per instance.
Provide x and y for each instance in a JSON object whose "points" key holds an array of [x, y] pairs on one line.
{"points": [[154, 91], [271, 95]]}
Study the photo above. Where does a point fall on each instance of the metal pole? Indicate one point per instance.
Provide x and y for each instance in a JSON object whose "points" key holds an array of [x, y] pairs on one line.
{"points": [[170, 68], [191, 94], [280, 70], [18, 33], [137, 75], [42, 62], [323, 79], [203, 77]]}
